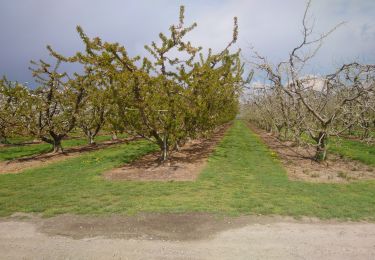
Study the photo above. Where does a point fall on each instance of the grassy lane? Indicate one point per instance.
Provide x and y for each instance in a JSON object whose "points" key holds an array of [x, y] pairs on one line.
{"points": [[242, 177], [354, 149], [14, 152]]}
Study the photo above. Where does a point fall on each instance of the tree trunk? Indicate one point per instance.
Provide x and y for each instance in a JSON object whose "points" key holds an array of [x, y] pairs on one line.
{"points": [[350, 130], [90, 137], [269, 129], [162, 141], [57, 147], [91, 140], [279, 129], [164, 150], [286, 132], [297, 137], [3, 139], [366, 132], [321, 148]]}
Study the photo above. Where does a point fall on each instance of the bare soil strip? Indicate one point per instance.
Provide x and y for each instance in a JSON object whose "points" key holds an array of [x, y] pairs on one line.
{"points": [[150, 226], [300, 165], [183, 236], [183, 165], [18, 165]]}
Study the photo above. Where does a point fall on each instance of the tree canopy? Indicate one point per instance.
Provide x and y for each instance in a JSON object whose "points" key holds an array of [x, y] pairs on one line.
{"points": [[176, 92]]}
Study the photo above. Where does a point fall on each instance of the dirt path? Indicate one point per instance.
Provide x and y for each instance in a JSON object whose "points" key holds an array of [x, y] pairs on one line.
{"points": [[186, 236]]}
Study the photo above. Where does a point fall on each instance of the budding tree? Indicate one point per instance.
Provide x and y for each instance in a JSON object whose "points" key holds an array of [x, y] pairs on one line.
{"points": [[54, 105], [174, 94], [13, 103], [95, 106]]}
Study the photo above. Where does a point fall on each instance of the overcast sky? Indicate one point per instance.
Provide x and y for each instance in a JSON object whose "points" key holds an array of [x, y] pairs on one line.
{"points": [[272, 27]]}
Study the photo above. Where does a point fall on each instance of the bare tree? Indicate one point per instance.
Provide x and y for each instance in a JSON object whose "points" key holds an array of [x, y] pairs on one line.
{"points": [[319, 106]]}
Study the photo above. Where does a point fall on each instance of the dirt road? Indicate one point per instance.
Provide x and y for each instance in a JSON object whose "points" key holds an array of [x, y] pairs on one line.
{"points": [[189, 236]]}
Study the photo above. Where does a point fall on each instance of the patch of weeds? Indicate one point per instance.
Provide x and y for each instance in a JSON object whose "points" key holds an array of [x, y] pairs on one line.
{"points": [[345, 176], [273, 155], [354, 150], [342, 175]]}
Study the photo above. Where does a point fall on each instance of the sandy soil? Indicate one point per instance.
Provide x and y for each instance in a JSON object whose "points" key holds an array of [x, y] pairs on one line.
{"points": [[184, 165], [18, 165], [299, 165], [184, 236]]}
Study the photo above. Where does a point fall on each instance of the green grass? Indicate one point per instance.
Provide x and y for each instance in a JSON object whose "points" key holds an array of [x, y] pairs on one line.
{"points": [[354, 149], [18, 151], [359, 132], [242, 177], [19, 139], [14, 152]]}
